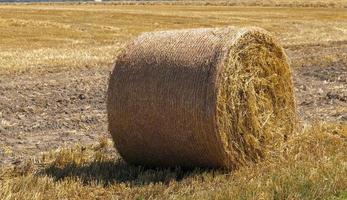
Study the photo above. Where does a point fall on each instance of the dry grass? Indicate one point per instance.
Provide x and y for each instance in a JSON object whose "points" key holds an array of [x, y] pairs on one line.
{"points": [[310, 166], [63, 36]]}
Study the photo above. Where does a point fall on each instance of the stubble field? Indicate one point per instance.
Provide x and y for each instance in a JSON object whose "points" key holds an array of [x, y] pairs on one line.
{"points": [[55, 60]]}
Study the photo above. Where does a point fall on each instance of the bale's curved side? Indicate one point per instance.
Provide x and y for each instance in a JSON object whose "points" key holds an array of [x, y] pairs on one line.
{"points": [[200, 97]]}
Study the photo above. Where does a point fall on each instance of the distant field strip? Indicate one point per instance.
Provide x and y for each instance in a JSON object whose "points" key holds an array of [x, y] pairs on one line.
{"points": [[265, 3], [66, 35]]}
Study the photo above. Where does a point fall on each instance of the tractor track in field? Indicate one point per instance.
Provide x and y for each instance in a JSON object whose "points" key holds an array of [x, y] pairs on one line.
{"points": [[40, 112]]}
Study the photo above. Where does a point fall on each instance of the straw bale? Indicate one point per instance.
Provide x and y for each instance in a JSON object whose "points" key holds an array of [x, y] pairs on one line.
{"points": [[213, 97]]}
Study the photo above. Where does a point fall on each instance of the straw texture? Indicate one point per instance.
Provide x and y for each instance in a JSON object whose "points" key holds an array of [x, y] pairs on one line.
{"points": [[200, 97]]}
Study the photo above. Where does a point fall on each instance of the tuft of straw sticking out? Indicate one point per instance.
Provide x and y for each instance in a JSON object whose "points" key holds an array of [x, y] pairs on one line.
{"points": [[217, 97]]}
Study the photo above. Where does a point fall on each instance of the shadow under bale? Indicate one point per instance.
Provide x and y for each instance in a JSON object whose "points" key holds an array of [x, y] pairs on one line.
{"points": [[110, 172]]}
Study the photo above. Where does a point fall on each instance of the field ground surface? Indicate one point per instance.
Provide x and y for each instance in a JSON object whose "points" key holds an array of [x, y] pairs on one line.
{"points": [[55, 62]]}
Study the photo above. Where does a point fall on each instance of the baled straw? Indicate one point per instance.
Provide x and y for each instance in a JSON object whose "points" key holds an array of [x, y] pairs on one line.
{"points": [[200, 97]]}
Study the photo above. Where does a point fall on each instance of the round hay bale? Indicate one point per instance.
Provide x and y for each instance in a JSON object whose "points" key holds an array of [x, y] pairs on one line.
{"points": [[200, 97]]}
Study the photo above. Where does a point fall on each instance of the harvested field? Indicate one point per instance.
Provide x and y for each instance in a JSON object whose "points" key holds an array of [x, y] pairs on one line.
{"points": [[55, 61]]}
